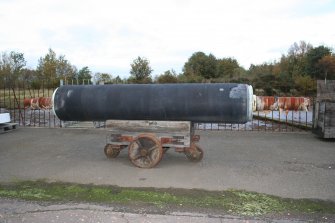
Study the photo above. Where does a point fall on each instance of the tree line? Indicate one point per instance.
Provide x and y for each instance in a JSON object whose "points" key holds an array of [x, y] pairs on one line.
{"points": [[295, 73]]}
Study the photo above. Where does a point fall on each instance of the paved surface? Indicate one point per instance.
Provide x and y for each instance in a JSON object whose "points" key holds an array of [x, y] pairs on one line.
{"points": [[296, 165], [12, 211]]}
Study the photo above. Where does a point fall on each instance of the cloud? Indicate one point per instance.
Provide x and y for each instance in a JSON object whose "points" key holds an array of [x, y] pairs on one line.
{"points": [[108, 35]]}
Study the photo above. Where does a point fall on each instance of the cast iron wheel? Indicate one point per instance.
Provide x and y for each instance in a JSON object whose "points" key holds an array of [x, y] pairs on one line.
{"points": [[145, 151], [195, 153], [111, 151]]}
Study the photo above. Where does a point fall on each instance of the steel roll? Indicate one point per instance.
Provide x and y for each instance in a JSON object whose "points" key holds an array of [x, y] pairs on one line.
{"points": [[221, 102]]}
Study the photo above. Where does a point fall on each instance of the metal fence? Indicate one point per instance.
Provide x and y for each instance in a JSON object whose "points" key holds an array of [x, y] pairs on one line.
{"points": [[28, 106], [275, 121], [32, 107]]}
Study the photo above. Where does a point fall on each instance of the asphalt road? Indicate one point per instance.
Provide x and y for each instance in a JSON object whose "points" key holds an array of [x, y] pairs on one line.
{"points": [[295, 165], [13, 211]]}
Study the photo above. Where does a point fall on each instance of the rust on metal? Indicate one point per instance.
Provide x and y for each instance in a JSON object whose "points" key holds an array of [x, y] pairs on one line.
{"points": [[145, 151], [37, 103], [121, 138], [145, 148], [194, 153], [126, 138], [166, 140], [112, 151], [175, 140], [180, 149], [195, 138], [282, 103]]}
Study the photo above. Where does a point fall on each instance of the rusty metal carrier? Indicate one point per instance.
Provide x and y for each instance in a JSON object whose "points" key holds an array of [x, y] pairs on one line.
{"points": [[147, 141]]}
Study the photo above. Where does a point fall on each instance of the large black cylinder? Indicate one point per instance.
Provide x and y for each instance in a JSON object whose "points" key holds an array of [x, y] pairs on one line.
{"points": [[230, 103]]}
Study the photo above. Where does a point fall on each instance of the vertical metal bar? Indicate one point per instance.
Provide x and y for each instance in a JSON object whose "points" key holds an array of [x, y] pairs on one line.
{"points": [[19, 102], [43, 86], [14, 112], [265, 120], [286, 120], [54, 117], [4, 93], [49, 121], [258, 122], [292, 120], [31, 111], [24, 107], [39, 109], [9, 97], [279, 122], [272, 121], [252, 122]]}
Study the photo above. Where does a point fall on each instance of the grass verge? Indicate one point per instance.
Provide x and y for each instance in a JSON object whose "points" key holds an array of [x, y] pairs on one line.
{"points": [[231, 201]]}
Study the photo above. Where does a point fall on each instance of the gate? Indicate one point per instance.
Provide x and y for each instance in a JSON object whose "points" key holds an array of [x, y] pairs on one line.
{"points": [[27, 105]]}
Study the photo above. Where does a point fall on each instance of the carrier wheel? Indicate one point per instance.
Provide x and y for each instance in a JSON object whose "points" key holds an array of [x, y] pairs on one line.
{"points": [[194, 153], [145, 151], [112, 151]]}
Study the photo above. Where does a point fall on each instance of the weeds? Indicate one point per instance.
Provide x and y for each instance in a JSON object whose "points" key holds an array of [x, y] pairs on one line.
{"points": [[231, 201]]}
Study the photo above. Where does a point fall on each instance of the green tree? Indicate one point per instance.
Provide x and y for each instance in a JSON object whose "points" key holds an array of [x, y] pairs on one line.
{"points": [[265, 82], [295, 63], [262, 69], [327, 66], [168, 77], [305, 85], [117, 80], [11, 65], [263, 79], [102, 78], [29, 75], [313, 56], [190, 78], [201, 65], [240, 75], [64, 69], [299, 50], [140, 71], [227, 67], [84, 76], [47, 66], [284, 83], [51, 69]]}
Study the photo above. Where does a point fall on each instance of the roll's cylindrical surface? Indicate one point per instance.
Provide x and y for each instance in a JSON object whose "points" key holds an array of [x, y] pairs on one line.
{"points": [[230, 103]]}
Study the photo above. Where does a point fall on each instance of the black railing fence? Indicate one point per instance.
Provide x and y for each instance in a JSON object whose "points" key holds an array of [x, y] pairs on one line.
{"points": [[31, 106], [28, 105]]}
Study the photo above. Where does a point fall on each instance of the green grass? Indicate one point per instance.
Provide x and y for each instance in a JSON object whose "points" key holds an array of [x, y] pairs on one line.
{"points": [[230, 201]]}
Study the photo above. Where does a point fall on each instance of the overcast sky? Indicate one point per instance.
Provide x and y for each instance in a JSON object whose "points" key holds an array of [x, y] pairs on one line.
{"points": [[108, 35]]}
